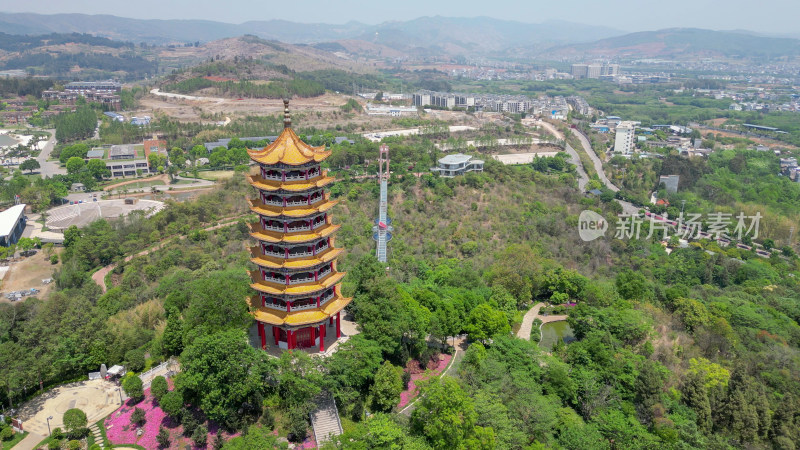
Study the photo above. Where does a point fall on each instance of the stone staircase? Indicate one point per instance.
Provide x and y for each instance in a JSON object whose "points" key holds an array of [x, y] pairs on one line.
{"points": [[325, 419], [98, 436]]}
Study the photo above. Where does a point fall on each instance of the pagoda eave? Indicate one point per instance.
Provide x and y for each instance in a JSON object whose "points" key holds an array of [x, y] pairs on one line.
{"points": [[271, 288], [288, 186], [288, 149], [274, 237], [297, 318], [271, 262], [290, 211]]}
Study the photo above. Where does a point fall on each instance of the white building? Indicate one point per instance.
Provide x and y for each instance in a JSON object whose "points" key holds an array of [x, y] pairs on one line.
{"points": [[393, 111], [457, 164], [624, 143]]}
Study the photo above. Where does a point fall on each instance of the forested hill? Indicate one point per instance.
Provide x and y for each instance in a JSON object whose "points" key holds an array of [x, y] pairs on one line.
{"points": [[684, 43], [19, 43], [74, 55]]}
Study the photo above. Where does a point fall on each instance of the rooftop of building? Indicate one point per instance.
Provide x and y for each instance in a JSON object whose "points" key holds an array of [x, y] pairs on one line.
{"points": [[9, 219], [122, 150], [458, 158], [289, 149]]}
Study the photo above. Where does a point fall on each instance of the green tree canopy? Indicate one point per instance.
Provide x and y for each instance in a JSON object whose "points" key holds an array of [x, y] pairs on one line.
{"points": [[387, 387], [224, 376], [97, 168], [445, 415], [485, 322], [30, 165], [132, 385], [74, 419], [74, 165]]}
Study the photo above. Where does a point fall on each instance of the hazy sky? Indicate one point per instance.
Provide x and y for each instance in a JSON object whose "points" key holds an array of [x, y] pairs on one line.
{"points": [[770, 16]]}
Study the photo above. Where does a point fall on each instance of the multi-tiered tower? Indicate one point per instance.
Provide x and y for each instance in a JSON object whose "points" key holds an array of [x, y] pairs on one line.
{"points": [[297, 282]]}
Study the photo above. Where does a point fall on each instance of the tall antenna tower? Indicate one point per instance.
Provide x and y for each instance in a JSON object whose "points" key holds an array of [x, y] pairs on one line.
{"points": [[382, 230]]}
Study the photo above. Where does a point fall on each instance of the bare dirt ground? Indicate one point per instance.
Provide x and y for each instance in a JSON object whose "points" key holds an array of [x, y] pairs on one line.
{"points": [[757, 140], [190, 110], [29, 273]]}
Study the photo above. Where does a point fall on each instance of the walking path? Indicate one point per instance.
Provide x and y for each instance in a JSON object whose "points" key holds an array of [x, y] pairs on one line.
{"points": [[459, 344], [524, 331], [99, 277], [30, 441]]}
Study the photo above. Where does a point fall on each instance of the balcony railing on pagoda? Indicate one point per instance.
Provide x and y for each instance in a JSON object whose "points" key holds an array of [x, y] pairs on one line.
{"points": [[284, 228], [309, 277], [291, 176], [298, 305], [302, 201], [284, 254]]}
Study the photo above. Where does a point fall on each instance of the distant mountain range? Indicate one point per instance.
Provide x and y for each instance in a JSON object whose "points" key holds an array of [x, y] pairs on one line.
{"points": [[430, 37], [467, 32], [684, 43]]}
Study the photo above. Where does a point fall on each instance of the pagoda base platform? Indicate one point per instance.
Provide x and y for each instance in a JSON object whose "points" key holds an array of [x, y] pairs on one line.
{"points": [[331, 342]]}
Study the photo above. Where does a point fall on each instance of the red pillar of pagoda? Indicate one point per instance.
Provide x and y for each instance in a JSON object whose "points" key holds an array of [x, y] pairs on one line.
{"points": [[338, 325], [262, 334], [321, 337]]}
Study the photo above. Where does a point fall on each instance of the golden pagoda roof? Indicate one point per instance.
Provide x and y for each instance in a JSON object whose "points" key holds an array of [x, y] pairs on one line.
{"points": [[274, 237], [296, 318], [269, 287], [271, 262], [291, 211], [291, 186], [289, 149]]}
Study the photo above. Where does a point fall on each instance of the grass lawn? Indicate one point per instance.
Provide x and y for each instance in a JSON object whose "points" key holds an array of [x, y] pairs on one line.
{"points": [[215, 175], [182, 182], [17, 437], [141, 185]]}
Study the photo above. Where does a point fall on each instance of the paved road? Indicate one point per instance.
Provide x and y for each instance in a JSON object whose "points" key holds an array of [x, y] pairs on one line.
{"points": [[49, 168], [598, 165], [627, 207], [583, 178], [185, 97]]}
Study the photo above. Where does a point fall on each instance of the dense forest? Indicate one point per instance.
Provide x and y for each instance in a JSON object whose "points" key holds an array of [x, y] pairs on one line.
{"points": [[10, 87], [71, 126], [19, 43], [63, 65]]}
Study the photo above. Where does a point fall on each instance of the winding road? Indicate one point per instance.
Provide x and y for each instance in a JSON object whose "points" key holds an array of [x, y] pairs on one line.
{"points": [[49, 168], [627, 207]]}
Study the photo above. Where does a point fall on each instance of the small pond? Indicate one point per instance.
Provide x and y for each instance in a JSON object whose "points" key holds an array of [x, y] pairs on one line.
{"points": [[556, 330]]}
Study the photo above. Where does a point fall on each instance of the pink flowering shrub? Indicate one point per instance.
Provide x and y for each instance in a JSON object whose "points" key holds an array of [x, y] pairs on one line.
{"points": [[417, 373], [120, 431]]}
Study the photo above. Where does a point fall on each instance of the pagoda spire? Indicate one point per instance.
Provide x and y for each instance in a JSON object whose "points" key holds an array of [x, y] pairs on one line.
{"points": [[287, 118]]}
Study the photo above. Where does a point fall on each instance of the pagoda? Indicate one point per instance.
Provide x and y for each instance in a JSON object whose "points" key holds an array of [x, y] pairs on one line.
{"points": [[298, 287]]}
